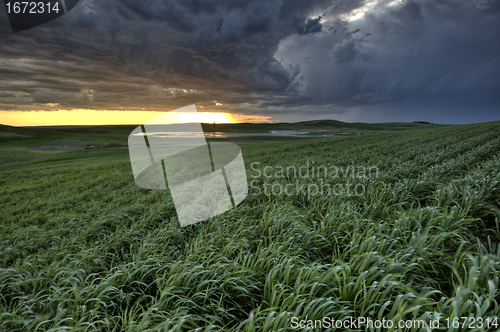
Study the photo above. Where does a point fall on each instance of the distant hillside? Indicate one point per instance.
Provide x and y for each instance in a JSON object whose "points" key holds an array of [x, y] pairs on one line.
{"points": [[315, 125], [42, 135], [37, 135]]}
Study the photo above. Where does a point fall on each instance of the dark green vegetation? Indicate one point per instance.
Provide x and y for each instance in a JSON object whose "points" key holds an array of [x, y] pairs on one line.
{"points": [[83, 248], [63, 135], [95, 133], [21, 144]]}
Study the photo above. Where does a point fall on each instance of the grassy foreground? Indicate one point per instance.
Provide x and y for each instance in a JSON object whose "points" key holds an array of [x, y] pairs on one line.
{"points": [[82, 248]]}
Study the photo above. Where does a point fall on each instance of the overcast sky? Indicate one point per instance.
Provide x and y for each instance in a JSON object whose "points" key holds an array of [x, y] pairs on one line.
{"points": [[350, 60]]}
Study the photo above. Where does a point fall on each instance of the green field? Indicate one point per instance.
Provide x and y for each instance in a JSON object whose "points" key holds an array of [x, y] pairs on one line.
{"points": [[82, 248]]}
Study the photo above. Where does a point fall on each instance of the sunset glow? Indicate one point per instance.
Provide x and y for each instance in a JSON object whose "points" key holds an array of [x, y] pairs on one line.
{"points": [[80, 117], [205, 117], [84, 117]]}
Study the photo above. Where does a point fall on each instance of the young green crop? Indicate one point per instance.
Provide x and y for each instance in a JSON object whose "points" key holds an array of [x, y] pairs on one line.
{"points": [[83, 248]]}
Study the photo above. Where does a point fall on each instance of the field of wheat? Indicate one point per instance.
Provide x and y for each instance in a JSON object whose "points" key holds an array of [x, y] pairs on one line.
{"points": [[82, 248]]}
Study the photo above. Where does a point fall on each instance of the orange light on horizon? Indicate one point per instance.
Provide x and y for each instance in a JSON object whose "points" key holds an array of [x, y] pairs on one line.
{"points": [[78, 117], [204, 117], [84, 117]]}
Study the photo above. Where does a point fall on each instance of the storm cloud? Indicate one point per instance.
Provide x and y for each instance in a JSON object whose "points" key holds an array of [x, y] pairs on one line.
{"points": [[293, 60]]}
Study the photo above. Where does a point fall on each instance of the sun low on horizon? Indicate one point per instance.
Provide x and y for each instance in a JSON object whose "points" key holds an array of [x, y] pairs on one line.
{"points": [[204, 117]]}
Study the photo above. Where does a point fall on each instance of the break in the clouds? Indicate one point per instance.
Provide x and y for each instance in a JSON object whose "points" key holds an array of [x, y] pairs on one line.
{"points": [[353, 60]]}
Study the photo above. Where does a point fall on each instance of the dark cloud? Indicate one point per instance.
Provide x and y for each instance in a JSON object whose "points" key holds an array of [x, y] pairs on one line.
{"points": [[312, 25], [121, 50], [431, 51], [314, 58]]}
